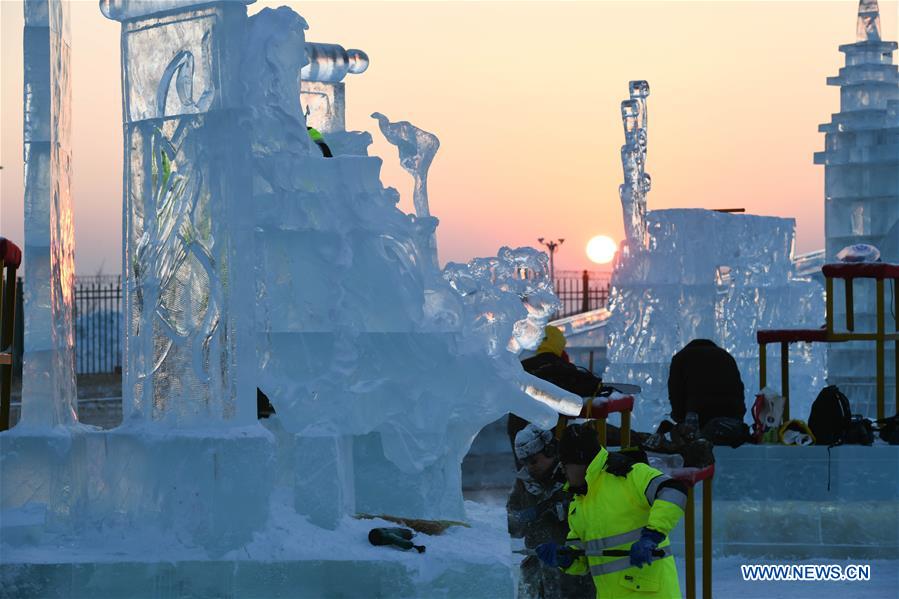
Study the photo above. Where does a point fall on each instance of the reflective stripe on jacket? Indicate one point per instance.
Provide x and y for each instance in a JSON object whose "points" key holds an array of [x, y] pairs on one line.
{"points": [[612, 515]]}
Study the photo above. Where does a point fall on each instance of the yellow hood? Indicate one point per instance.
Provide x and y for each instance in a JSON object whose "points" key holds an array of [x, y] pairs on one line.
{"points": [[553, 341]]}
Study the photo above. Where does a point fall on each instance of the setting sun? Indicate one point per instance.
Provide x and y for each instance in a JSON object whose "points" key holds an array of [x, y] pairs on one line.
{"points": [[601, 249]]}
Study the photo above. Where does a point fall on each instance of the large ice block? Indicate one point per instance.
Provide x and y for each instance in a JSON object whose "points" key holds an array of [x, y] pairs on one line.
{"points": [[189, 347], [48, 381]]}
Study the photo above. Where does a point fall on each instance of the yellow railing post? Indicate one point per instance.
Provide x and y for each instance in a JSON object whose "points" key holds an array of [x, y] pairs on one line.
{"points": [[625, 429], [707, 538], [690, 545], [785, 377]]}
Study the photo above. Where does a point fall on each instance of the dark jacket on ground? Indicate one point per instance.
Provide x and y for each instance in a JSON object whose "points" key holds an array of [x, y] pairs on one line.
{"points": [[704, 378], [550, 367]]}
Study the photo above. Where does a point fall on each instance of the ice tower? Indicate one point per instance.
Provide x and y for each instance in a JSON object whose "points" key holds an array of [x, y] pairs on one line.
{"points": [[861, 193]]}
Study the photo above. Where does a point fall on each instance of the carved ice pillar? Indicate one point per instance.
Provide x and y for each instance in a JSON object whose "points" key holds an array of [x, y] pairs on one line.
{"points": [[189, 284], [48, 381]]}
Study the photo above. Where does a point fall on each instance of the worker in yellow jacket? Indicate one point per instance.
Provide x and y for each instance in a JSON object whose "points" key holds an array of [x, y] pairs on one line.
{"points": [[619, 521]]}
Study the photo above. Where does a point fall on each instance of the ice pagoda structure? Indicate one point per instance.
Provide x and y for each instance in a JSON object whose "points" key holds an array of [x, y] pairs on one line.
{"points": [[861, 192]]}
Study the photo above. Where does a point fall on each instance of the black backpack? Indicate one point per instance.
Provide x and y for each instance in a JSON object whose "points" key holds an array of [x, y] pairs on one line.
{"points": [[889, 429], [830, 417], [859, 432]]}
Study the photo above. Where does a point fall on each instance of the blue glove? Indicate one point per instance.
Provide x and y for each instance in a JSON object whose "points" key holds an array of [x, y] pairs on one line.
{"points": [[550, 554], [641, 551]]}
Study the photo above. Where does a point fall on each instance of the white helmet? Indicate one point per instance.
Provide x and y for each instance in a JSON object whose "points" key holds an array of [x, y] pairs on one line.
{"points": [[531, 440]]}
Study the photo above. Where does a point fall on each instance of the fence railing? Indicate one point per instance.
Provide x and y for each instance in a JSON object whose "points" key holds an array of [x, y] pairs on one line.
{"points": [[581, 291], [97, 325]]}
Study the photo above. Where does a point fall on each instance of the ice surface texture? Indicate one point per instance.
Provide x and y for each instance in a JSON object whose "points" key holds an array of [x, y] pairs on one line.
{"points": [[49, 358], [861, 197]]}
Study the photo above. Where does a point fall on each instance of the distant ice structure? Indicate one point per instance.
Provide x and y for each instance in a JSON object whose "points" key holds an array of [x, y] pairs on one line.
{"points": [[48, 379], [690, 273], [861, 197], [417, 148]]}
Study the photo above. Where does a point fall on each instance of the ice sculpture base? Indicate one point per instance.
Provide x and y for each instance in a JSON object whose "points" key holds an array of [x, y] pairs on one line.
{"points": [[288, 559], [201, 487]]}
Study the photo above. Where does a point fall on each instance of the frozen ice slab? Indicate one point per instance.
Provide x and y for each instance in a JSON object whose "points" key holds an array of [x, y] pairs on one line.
{"points": [[201, 487], [290, 556]]}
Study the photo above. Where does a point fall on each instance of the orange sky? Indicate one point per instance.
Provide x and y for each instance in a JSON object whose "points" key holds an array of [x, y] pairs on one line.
{"points": [[525, 100]]}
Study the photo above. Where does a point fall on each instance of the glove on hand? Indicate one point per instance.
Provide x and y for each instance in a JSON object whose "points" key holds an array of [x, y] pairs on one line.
{"points": [[554, 556], [641, 551]]}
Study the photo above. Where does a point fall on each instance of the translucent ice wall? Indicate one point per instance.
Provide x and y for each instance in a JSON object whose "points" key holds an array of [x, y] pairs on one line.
{"points": [[48, 380], [716, 276], [188, 247], [861, 196], [417, 148], [376, 364]]}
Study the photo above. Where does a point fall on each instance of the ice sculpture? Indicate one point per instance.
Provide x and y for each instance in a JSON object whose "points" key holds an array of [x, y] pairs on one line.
{"points": [[48, 380], [367, 353], [637, 182], [691, 273], [189, 352], [861, 196], [417, 148], [382, 368]]}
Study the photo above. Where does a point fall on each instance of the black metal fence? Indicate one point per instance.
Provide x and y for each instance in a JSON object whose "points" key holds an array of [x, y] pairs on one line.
{"points": [[581, 291], [97, 323]]}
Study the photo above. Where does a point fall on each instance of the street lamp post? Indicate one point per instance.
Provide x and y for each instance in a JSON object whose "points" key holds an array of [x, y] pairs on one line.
{"points": [[551, 246]]}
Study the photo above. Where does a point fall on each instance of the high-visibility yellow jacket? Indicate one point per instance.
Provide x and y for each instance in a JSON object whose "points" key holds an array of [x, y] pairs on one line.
{"points": [[612, 515]]}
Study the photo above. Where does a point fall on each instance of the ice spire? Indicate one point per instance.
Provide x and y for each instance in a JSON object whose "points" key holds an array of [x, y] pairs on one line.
{"points": [[417, 148], [637, 182], [868, 26]]}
